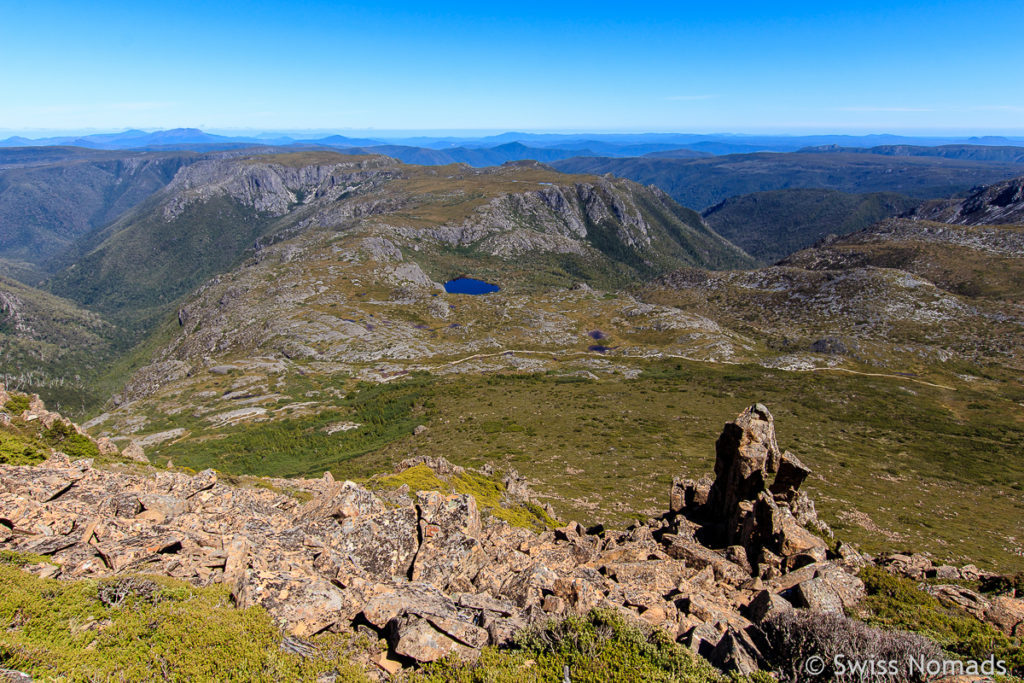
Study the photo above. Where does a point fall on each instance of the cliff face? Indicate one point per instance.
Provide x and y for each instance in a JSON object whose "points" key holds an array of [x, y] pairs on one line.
{"points": [[274, 188]]}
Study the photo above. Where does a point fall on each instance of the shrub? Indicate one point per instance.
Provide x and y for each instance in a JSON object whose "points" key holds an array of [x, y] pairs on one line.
{"points": [[794, 637], [893, 602], [18, 451], [114, 593], [17, 404], [64, 438], [1013, 585], [597, 647], [151, 629]]}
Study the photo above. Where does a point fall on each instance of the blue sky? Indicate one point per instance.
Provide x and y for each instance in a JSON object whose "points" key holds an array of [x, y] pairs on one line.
{"points": [[893, 66]]}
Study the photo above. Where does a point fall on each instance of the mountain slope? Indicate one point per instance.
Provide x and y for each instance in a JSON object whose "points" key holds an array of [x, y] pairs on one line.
{"points": [[330, 343], [972, 261], [701, 183], [1001, 203], [52, 346], [772, 225], [48, 203]]}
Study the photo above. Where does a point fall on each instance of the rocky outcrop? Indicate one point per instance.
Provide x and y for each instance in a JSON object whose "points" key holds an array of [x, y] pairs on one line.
{"points": [[432, 575], [998, 204], [271, 187], [762, 525], [37, 414], [1004, 611]]}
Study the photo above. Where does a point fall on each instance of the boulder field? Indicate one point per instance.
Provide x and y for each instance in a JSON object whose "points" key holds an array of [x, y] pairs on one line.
{"points": [[426, 572]]}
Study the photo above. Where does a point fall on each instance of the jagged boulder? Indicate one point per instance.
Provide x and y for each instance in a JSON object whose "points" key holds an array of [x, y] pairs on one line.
{"points": [[424, 624], [831, 590], [737, 651], [305, 605], [378, 547], [745, 453], [1007, 614], [450, 553], [14, 676], [912, 566], [790, 476], [741, 508], [106, 446], [342, 500], [159, 508]]}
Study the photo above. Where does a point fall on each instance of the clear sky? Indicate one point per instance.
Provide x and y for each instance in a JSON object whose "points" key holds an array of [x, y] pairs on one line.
{"points": [[895, 66]]}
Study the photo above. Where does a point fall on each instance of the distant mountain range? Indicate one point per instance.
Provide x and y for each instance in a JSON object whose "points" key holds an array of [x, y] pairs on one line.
{"points": [[561, 145], [975, 152]]}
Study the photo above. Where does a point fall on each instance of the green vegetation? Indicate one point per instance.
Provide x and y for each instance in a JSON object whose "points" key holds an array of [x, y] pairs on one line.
{"points": [[17, 450], [29, 442], [54, 349], [869, 440], [18, 559], [128, 628], [1004, 584], [17, 404], [896, 603], [46, 204], [772, 225], [64, 438], [599, 647], [132, 628], [179, 257], [417, 478], [962, 268], [303, 446]]}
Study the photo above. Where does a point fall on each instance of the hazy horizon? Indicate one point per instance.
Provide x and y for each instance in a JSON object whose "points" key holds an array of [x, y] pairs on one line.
{"points": [[468, 133]]}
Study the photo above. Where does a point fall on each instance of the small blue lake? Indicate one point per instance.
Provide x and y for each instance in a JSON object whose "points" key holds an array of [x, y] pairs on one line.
{"points": [[468, 285]]}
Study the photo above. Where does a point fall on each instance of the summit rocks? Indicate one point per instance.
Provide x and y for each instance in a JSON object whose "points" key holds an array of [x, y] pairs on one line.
{"points": [[431, 574]]}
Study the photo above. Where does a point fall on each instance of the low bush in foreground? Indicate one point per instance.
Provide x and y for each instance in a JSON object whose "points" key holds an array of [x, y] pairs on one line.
{"points": [[147, 628], [600, 647], [836, 641], [897, 603], [17, 450]]}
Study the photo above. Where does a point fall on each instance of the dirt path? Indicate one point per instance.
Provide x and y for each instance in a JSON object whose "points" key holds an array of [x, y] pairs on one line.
{"points": [[596, 354]]}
